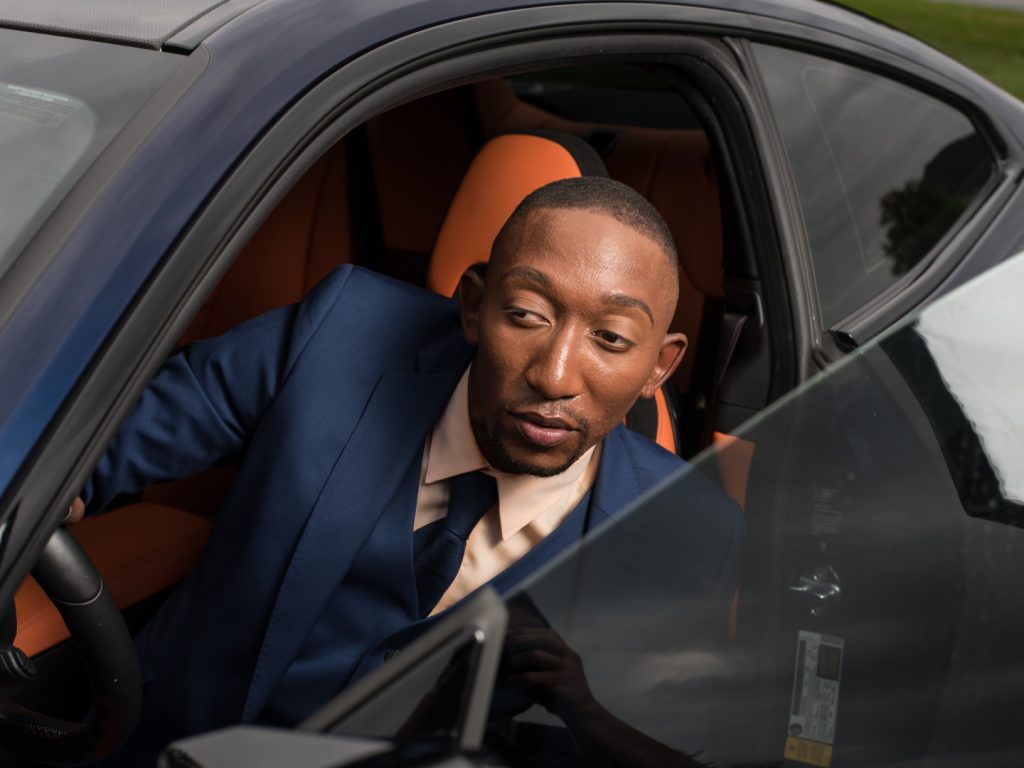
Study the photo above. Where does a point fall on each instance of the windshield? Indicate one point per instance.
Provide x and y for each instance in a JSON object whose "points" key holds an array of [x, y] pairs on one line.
{"points": [[61, 102], [872, 613]]}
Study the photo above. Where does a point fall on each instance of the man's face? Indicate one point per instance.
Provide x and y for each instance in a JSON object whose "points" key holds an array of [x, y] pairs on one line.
{"points": [[570, 328]]}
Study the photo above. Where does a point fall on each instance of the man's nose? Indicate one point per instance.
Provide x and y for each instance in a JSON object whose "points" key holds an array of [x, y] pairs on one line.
{"points": [[554, 371]]}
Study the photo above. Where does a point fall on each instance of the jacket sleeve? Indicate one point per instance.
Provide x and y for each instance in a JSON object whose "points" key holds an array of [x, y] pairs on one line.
{"points": [[203, 404]]}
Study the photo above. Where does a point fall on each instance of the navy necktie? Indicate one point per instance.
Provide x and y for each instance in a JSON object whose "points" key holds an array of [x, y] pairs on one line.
{"points": [[438, 548]]}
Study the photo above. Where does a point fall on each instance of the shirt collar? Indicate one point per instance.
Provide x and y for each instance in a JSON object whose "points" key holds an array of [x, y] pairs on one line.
{"points": [[452, 450]]}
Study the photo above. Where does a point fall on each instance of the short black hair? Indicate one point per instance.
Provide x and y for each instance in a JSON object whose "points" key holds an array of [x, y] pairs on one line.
{"points": [[599, 193]]}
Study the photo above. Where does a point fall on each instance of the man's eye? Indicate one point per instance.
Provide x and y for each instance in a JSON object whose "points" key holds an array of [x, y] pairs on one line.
{"points": [[523, 316], [613, 340]]}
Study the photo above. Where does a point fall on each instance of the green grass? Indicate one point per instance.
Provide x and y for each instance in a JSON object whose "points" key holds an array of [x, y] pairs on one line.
{"points": [[988, 40]]}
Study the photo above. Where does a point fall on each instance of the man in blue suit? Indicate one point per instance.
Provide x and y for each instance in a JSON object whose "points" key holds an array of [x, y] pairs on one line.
{"points": [[355, 415]]}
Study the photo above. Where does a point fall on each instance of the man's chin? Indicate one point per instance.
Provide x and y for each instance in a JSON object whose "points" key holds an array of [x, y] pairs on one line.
{"points": [[515, 462]]}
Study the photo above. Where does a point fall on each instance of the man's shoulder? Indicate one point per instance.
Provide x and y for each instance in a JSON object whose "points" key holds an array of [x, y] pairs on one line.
{"points": [[650, 460], [386, 311], [653, 464], [387, 294]]}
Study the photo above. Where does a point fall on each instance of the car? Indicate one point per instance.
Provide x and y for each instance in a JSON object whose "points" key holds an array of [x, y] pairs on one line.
{"points": [[173, 169]]}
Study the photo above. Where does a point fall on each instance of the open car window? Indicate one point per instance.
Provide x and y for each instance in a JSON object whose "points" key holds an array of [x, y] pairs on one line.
{"points": [[871, 614]]}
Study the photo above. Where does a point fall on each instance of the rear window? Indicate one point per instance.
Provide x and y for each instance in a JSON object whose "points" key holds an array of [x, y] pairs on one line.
{"points": [[61, 102], [884, 172]]}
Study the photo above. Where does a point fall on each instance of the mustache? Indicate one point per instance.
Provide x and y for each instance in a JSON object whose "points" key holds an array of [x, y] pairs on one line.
{"points": [[550, 408]]}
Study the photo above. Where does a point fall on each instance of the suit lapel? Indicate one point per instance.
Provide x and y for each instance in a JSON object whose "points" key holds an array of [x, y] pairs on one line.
{"points": [[615, 488], [399, 414], [616, 484]]}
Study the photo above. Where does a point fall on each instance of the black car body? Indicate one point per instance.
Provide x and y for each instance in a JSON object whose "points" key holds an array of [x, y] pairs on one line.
{"points": [[848, 175]]}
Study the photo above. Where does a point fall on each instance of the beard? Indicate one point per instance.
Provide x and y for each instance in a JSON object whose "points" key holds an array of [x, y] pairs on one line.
{"points": [[503, 461]]}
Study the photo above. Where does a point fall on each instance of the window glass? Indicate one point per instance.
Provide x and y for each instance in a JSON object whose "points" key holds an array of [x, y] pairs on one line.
{"points": [[865, 611], [883, 171], [61, 102]]}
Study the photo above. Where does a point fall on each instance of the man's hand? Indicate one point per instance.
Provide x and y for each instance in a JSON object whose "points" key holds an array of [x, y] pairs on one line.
{"points": [[75, 512], [551, 671]]}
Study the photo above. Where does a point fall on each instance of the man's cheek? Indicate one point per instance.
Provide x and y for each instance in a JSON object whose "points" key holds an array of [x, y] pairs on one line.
{"points": [[613, 415]]}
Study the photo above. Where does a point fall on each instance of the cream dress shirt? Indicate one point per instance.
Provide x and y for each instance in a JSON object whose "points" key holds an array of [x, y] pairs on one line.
{"points": [[528, 508]]}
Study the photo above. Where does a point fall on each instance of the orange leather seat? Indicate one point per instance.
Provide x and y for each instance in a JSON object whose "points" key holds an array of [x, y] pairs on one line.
{"points": [[140, 550], [505, 171]]}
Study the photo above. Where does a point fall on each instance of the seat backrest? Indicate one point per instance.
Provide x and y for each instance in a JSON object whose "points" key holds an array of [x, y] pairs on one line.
{"points": [[507, 169]]}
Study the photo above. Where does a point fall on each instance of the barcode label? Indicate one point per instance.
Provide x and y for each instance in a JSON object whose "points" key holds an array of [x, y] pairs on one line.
{"points": [[815, 701]]}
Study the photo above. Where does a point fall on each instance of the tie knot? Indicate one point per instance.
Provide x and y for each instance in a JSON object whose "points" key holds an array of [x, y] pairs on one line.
{"points": [[471, 495]]}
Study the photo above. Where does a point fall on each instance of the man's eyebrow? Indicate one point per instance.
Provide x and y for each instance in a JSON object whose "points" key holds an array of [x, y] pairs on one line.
{"points": [[618, 299], [528, 273], [624, 300]]}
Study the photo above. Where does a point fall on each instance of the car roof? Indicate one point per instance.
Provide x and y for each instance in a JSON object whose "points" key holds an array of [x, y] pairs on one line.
{"points": [[183, 24], [146, 23]]}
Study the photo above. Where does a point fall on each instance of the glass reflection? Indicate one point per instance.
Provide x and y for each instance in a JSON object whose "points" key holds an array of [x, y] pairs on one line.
{"points": [[871, 484], [62, 101], [883, 171], [979, 356]]}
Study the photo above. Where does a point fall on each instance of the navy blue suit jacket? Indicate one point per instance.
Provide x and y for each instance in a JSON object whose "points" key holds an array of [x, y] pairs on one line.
{"points": [[320, 404]]}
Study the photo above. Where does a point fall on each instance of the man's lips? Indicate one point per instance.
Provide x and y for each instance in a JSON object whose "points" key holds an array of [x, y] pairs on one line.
{"points": [[543, 431]]}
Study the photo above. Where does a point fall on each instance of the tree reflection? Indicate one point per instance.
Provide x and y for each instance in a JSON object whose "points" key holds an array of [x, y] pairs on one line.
{"points": [[916, 215]]}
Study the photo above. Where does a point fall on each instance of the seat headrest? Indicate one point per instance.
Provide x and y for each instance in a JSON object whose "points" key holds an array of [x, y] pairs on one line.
{"points": [[503, 173]]}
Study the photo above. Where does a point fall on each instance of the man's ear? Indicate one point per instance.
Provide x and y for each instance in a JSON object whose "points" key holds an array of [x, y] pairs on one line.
{"points": [[669, 357], [470, 294]]}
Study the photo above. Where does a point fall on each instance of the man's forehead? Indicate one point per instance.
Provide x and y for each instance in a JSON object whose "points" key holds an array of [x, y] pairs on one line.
{"points": [[595, 237], [589, 250]]}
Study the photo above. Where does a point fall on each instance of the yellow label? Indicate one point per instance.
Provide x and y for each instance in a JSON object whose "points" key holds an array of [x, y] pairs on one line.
{"points": [[810, 752]]}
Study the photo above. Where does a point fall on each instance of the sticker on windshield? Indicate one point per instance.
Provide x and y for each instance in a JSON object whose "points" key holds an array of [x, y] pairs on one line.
{"points": [[812, 714], [36, 106]]}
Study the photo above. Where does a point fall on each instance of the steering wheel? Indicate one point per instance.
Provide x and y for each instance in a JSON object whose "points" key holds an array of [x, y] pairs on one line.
{"points": [[69, 579]]}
